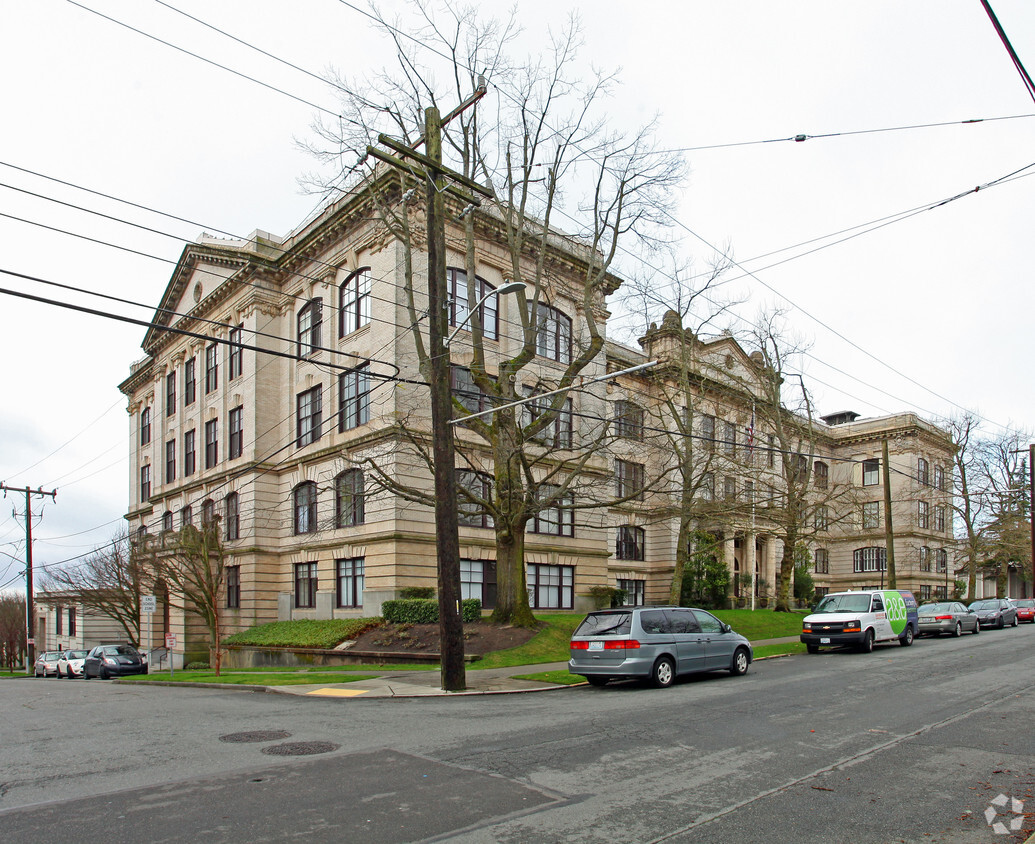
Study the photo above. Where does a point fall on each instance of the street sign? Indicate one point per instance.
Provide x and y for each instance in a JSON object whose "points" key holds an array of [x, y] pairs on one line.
{"points": [[148, 603], [170, 641]]}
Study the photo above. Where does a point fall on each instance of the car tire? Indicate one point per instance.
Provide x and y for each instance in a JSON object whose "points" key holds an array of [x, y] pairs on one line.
{"points": [[958, 631], [1015, 622], [1001, 623], [740, 662], [907, 639], [812, 649], [596, 680], [867, 643], [663, 674], [977, 628], [103, 674]]}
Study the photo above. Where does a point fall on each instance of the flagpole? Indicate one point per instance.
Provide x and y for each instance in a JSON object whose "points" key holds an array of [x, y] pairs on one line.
{"points": [[754, 540]]}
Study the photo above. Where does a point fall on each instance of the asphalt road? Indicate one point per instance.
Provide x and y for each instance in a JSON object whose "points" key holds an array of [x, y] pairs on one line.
{"points": [[901, 745]]}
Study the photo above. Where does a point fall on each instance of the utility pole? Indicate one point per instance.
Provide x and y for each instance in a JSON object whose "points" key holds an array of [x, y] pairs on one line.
{"points": [[889, 528], [447, 532], [30, 608]]}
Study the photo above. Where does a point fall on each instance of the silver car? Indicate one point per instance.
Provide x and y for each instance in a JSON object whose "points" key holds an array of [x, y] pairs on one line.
{"points": [[655, 643], [947, 617], [995, 612]]}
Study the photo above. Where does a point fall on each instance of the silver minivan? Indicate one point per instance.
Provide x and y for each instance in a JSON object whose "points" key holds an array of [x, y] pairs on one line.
{"points": [[656, 643]]}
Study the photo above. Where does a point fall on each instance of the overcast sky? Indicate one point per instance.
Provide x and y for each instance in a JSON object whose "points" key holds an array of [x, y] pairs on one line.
{"points": [[926, 313]]}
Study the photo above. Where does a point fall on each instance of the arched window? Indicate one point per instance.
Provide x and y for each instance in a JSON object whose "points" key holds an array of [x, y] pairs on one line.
{"points": [[186, 516], [305, 507], [348, 498], [354, 302], [870, 559], [459, 306], [167, 520], [553, 334], [208, 512], [233, 516], [310, 323]]}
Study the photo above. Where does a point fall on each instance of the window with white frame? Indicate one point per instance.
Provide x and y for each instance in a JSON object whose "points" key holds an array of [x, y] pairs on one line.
{"points": [[871, 515], [557, 518], [170, 461], [145, 426], [233, 587], [349, 494], [729, 488], [235, 356], [822, 518], [870, 559], [310, 327], [942, 557], [478, 580], [630, 543], [871, 472], [305, 585], [235, 424], [923, 472], [558, 432], [170, 393], [635, 592], [190, 382], [211, 367], [354, 302], [629, 480], [466, 391], [309, 421], [232, 505], [939, 518], [550, 587], [350, 572], [474, 492], [923, 515], [553, 334], [145, 482], [925, 558], [304, 501], [211, 443], [821, 557], [354, 397], [190, 454], [706, 489]]}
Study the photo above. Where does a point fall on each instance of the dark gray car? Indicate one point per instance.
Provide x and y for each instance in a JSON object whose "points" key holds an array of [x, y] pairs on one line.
{"points": [[106, 661], [655, 643], [947, 617], [995, 612]]}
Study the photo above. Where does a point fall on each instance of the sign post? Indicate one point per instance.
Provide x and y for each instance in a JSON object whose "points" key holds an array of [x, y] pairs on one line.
{"points": [[170, 643], [148, 605]]}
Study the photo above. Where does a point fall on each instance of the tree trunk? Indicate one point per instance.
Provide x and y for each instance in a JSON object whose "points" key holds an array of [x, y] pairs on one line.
{"points": [[785, 574], [511, 592]]}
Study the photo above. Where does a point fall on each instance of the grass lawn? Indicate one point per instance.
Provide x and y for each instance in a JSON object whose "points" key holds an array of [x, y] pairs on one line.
{"points": [[550, 644], [763, 624], [252, 678], [303, 633]]}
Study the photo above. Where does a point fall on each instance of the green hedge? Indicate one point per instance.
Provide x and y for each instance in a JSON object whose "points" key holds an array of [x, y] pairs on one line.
{"points": [[417, 611]]}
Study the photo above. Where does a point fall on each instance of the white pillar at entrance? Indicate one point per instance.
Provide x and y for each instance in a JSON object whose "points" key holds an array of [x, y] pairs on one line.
{"points": [[730, 551], [748, 545]]}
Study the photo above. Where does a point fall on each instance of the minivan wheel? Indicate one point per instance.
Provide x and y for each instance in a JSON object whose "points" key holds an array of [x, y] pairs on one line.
{"points": [[867, 642], [907, 640], [663, 674], [596, 680], [739, 665]]}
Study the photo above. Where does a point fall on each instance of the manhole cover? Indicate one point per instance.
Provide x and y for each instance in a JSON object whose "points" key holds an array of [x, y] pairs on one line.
{"points": [[300, 748], [256, 735]]}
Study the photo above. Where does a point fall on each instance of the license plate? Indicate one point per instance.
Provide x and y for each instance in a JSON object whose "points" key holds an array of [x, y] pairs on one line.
{"points": [[824, 641], [925, 619], [596, 646]]}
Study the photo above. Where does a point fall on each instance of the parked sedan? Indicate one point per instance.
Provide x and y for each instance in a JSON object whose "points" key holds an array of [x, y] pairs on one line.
{"points": [[70, 664], [947, 617], [1025, 609], [995, 612], [107, 661], [47, 664]]}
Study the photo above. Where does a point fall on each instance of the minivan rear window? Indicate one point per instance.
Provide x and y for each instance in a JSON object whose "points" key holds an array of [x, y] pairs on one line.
{"points": [[605, 624]]}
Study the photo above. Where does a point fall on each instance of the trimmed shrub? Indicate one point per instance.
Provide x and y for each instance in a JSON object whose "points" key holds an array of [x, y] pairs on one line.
{"points": [[605, 597], [425, 611], [197, 666]]}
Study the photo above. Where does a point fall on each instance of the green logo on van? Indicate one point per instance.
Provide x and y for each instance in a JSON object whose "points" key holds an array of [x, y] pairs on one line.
{"points": [[895, 607]]}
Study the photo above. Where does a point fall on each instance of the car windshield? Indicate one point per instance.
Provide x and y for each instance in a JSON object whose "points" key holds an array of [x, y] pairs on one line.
{"points": [[607, 623], [985, 605], [76, 655], [120, 650], [852, 602], [1027, 602], [933, 608]]}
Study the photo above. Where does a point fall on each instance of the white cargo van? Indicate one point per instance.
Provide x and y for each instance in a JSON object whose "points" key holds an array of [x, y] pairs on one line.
{"points": [[860, 619]]}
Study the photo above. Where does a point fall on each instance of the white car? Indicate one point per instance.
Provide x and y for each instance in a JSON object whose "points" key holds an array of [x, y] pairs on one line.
{"points": [[46, 664], [70, 663]]}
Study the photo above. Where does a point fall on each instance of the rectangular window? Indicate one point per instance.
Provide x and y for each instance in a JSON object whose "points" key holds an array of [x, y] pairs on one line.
{"points": [[233, 587], [310, 324], [923, 515], [635, 592], [729, 438], [350, 582], [310, 416], [557, 519], [925, 558], [305, 585], [870, 559], [145, 426], [478, 580], [167, 520], [630, 543], [943, 560], [729, 488], [708, 432], [145, 482], [939, 518], [354, 398], [189, 454], [749, 491], [348, 496], [235, 424], [822, 520], [71, 621], [939, 478], [170, 461], [211, 443], [941, 593], [557, 433], [628, 420], [190, 382], [59, 619], [170, 394], [922, 472], [553, 334], [822, 558], [871, 472], [821, 474], [211, 368], [550, 587], [771, 459], [925, 593], [456, 290], [471, 507], [235, 359], [354, 302], [305, 500], [707, 487], [871, 515], [233, 517], [462, 385], [629, 480]]}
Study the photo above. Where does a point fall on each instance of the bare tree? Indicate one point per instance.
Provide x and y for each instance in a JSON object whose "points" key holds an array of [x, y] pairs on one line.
{"points": [[546, 152], [192, 564], [12, 630], [109, 581]]}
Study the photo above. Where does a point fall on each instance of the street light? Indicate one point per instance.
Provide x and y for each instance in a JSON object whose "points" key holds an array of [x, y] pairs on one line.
{"points": [[509, 287]]}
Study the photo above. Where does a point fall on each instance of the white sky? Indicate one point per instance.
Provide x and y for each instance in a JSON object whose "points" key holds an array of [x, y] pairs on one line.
{"points": [[937, 303]]}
